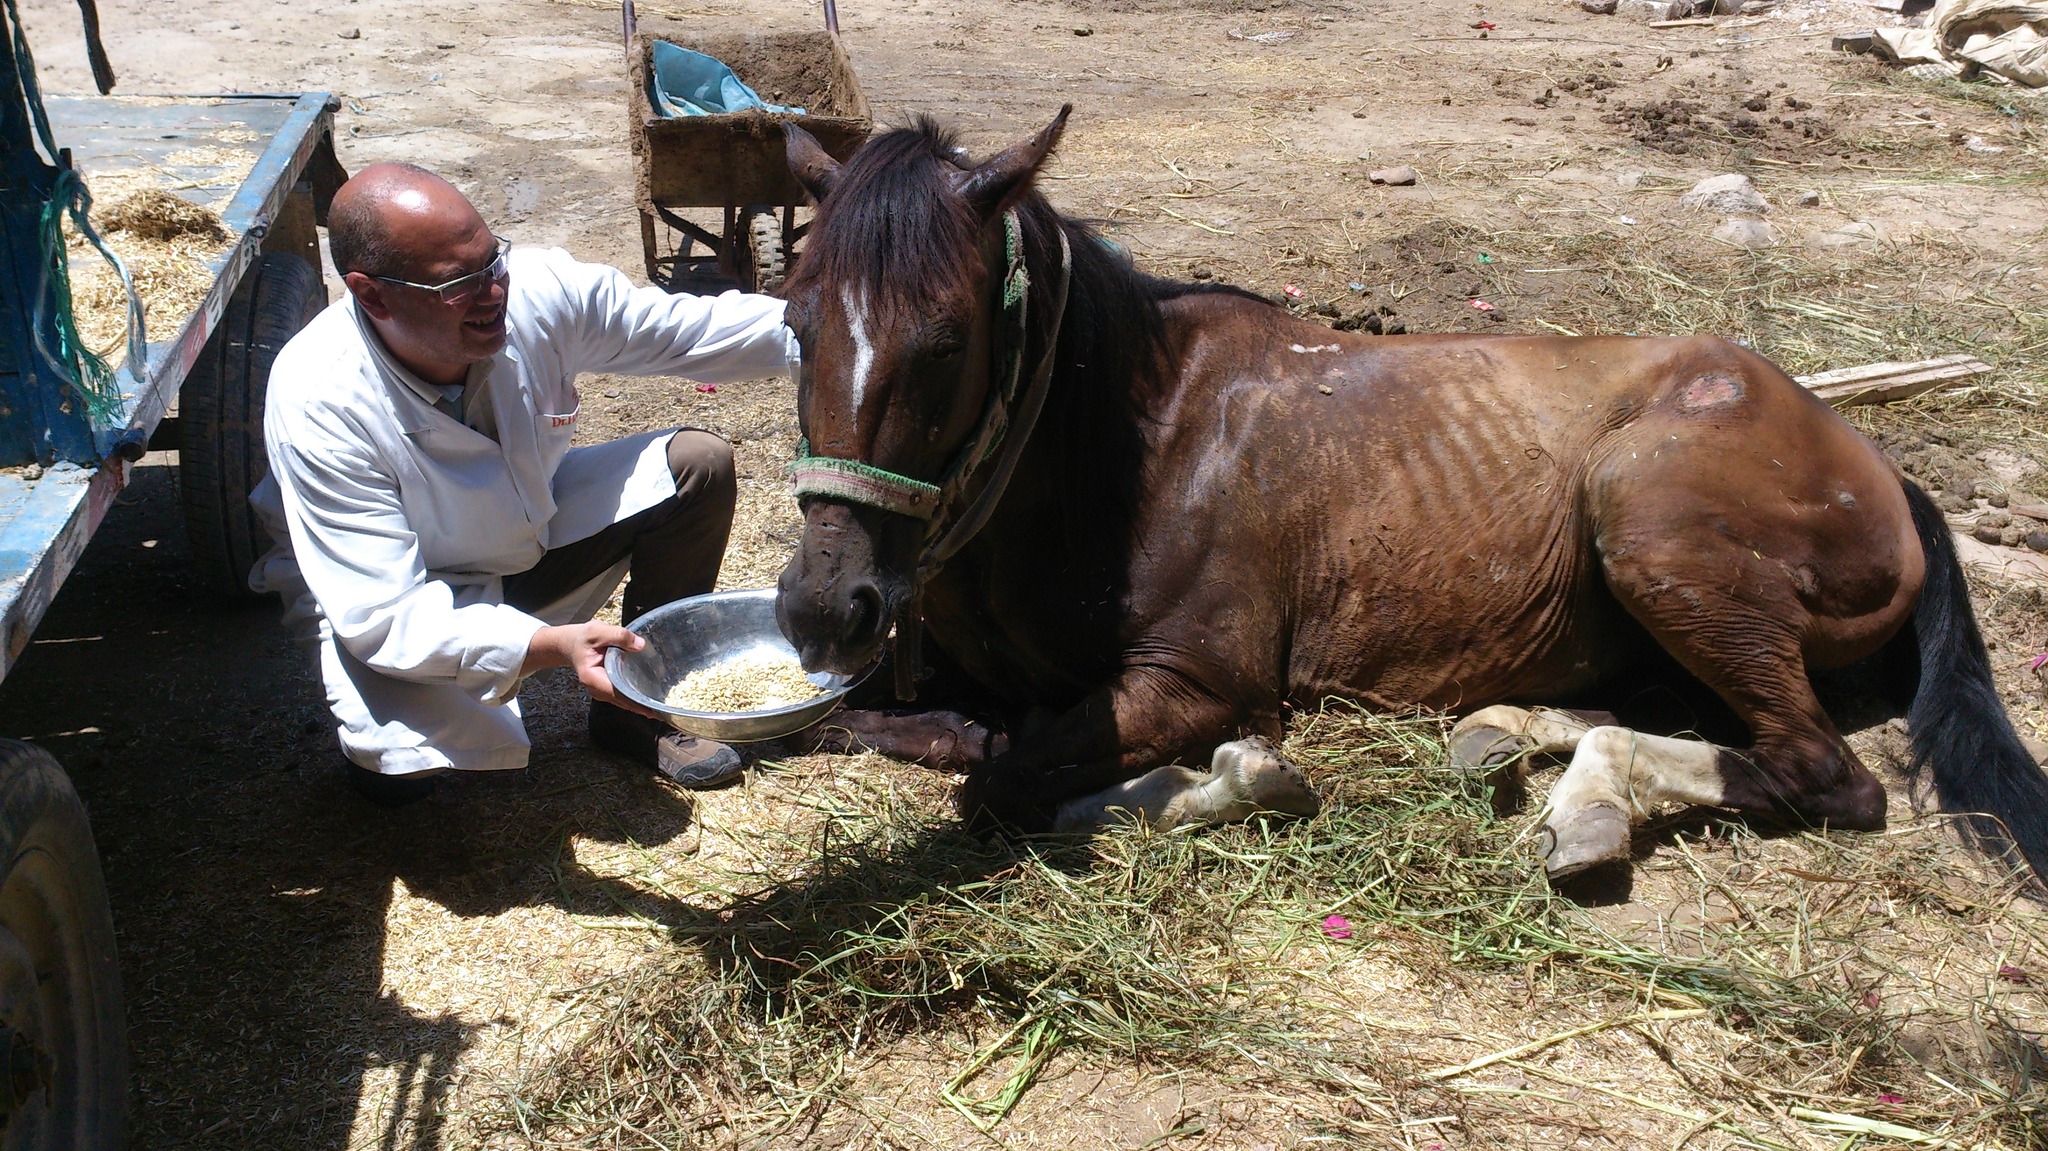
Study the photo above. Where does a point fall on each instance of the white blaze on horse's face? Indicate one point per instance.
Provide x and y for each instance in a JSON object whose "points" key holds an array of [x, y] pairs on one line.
{"points": [[863, 346]]}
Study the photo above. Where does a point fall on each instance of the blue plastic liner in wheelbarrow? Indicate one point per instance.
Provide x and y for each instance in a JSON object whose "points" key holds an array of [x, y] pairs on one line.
{"points": [[690, 83]]}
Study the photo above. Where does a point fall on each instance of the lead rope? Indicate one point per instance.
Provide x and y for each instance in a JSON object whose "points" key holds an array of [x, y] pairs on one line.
{"points": [[1022, 421], [907, 646]]}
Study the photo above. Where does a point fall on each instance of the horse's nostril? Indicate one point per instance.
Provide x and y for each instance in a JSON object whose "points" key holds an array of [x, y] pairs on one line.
{"points": [[863, 613]]}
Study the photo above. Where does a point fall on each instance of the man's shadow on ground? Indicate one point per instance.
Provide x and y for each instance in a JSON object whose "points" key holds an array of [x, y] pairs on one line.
{"points": [[250, 886]]}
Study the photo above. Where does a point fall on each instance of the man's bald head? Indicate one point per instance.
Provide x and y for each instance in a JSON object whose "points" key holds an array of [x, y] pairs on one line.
{"points": [[392, 219], [398, 222]]}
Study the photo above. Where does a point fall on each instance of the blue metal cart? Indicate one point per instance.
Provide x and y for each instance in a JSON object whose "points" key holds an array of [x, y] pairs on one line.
{"points": [[69, 432]]}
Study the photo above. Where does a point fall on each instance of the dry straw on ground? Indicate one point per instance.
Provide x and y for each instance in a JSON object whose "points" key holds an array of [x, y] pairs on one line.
{"points": [[1788, 992]]}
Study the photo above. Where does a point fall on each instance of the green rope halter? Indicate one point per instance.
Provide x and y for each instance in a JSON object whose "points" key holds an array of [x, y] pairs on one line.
{"points": [[860, 483]]}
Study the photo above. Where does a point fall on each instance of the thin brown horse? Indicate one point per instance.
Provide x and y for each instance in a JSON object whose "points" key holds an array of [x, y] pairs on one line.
{"points": [[1220, 512]]}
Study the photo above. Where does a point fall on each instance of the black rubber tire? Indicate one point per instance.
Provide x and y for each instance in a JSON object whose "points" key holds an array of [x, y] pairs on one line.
{"points": [[60, 980], [770, 256], [220, 411]]}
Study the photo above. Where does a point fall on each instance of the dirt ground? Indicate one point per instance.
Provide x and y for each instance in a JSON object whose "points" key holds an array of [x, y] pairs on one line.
{"points": [[304, 971]]}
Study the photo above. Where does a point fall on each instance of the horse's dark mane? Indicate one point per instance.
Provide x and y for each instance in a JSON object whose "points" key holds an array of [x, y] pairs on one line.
{"points": [[902, 226], [1114, 365], [1113, 328], [894, 220]]}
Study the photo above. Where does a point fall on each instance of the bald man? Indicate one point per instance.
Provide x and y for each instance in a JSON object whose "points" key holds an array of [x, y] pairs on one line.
{"points": [[436, 534]]}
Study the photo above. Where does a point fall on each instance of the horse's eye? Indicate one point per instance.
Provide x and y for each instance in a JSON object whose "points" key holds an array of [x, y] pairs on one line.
{"points": [[797, 317], [946, 348]]}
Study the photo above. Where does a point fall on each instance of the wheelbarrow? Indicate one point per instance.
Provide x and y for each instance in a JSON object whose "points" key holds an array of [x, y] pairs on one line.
{"points": [[734, 162]]}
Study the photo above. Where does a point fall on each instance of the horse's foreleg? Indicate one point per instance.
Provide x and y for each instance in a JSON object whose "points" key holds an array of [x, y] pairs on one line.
{"points": [[1618, 777], [1245, 777], [1144, 717], [943, 740]]}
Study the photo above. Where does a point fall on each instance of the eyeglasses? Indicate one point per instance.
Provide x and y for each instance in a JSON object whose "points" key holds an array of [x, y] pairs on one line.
{"points": [[463, 289]]}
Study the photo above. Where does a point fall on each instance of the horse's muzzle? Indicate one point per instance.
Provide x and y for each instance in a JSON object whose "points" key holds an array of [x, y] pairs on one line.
{"points": [[834, 602]]}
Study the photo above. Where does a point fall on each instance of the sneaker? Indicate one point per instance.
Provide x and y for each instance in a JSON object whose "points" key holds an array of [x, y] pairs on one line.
{"points": [[689, 761], [696, 763], [389, 790]]}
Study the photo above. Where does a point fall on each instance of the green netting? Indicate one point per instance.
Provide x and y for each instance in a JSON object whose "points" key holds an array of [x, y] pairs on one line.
{"points": [[90, 374], [87, 372]]}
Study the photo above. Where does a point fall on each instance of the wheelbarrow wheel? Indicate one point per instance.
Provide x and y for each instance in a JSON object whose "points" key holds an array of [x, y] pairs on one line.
{"points": [[220, 406], [771, 258], [63, 1038]]}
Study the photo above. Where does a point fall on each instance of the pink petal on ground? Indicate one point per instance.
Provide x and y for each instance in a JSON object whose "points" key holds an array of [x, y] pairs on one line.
{"points": [[707, 389], [1337, 927], [1888, 1097], [2011, 974]]}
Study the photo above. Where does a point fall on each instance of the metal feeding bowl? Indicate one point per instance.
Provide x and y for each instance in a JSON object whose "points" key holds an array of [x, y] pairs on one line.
{"points": [[705, 631]]}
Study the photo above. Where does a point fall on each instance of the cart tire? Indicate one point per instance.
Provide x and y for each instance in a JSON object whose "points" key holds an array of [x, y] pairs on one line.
{"points": [[220, 409], [771, 259], [63, 1039]]}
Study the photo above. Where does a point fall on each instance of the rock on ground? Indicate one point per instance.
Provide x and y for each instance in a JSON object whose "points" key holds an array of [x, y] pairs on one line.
{"points": [[1730, 194], [1644, 10]]}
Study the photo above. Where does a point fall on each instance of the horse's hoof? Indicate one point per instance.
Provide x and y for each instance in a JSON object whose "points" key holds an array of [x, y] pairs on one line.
{"points": [[1279, 786], [1592, 836], [1499, 758]]}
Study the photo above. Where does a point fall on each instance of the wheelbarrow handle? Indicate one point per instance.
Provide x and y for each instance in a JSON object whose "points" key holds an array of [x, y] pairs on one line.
{"points": [[95, 51], [831, 16]]}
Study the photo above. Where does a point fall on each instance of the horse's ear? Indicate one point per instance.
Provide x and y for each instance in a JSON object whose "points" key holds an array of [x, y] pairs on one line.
{"points": [[1006, 174], [814, 167]]}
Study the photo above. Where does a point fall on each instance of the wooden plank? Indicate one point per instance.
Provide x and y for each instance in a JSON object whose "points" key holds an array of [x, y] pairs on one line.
{"points": [[1899, 386], [1879, 371], [1883, 383]]}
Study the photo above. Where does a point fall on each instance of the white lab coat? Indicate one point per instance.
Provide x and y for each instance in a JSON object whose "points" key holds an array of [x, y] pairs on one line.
{"points": [[396, 523]]}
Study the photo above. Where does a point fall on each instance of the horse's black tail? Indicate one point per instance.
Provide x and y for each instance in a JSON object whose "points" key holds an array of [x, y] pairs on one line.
{"points": [[1960, 733]]}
